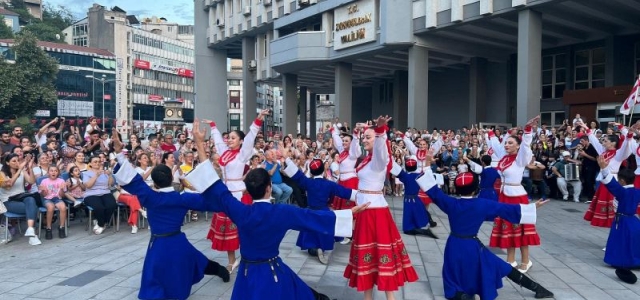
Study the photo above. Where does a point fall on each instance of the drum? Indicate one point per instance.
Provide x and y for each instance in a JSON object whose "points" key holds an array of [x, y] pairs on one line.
{"points": [[571, 172]]}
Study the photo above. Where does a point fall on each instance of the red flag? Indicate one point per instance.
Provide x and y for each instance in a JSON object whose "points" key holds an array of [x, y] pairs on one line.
{"points": [[72, 122], [632, 100], [80, 122]]}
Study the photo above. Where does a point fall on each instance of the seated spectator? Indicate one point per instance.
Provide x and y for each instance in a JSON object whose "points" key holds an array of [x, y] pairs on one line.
{"points": [[53, 190], [98, 193], [75, 186], [13, 177], [281, 191], [143, 168]]}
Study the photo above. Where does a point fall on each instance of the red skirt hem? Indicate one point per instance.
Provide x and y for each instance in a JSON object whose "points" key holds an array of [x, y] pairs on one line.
{"points": [[601, 211], [507, 235], [340, 203], [223, 233], [378, 255]]}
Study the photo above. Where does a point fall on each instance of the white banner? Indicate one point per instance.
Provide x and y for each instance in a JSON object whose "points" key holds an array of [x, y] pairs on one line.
{"points": [[72, 108], [354, 24]]}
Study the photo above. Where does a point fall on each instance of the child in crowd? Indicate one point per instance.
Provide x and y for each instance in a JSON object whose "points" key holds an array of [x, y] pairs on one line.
{"points": [[53, 190]]}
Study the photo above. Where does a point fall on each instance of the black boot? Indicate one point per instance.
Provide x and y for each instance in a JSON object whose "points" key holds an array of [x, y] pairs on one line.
{"points": [[529, 284], [428, 232], [214, 268], [319, 296], [462, 296], [412, 232], [432, 223], [626, 276]]}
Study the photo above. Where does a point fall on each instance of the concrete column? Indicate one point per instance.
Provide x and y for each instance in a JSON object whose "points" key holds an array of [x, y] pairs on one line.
{"points": [[211, 74], [477, 90], [344, 92], [290, 103], [418, 87], [303, 111], [249, 94], [529, 65], [400, 97], [313, 130]]}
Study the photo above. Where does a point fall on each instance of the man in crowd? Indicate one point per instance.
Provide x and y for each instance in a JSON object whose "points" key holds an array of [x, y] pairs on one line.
{"points": [[281, 191]]}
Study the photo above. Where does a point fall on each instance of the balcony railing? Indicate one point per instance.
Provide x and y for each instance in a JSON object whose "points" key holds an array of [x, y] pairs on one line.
{"points": [[299, 46]]}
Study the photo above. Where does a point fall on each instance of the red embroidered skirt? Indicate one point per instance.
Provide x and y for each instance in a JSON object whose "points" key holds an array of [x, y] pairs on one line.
{"points": [[508, 235], [223, 233], [497, 186], [339, 203], [378, 255], [601, 212]]}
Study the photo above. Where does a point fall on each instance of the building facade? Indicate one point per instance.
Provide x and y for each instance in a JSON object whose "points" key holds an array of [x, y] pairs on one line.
{"points": [[10, 19], [150, 67], [34, 7], [447, 63], [79, 97]]}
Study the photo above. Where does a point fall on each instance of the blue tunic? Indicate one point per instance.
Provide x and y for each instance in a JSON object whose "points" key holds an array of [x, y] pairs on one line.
{"points": [[623, 245], [262, 226], [469, 266], [172, 265], [319, 192], [488, 178], [414, 213]]}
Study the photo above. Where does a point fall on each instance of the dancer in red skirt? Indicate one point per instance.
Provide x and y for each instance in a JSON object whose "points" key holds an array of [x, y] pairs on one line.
{"points": [[421, 156], [378, 255], [633, 147], [601, 211], [514, 157], [233, 159], [349, 148]]}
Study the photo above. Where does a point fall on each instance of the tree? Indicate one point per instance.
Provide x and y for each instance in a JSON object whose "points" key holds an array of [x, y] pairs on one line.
{"points": [[44, 32], [5, 31], [33, 75], [59, 17]]}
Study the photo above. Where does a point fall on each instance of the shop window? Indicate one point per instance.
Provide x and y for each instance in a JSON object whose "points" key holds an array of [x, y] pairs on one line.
{"points": [[552, 118]]}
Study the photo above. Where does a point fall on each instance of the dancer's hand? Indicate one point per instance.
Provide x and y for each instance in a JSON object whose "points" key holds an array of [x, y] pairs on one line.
{"points": [[533, 121], [602, 163], [198, 133], [382, 121], [117, 144], [359, 208]]}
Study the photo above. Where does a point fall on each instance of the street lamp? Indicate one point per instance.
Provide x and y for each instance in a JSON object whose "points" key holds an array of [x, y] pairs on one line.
{"points": [[104, 80]]}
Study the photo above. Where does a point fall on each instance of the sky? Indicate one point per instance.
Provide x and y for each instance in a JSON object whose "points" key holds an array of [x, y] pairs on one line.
{"points": [[175, 11]]}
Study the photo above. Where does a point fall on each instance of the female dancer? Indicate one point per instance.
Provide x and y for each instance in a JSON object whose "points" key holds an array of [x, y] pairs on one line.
{"points": [[421, 156], [514, 157], [235, 155], [349, 148], [378, 255], [601, 211]]}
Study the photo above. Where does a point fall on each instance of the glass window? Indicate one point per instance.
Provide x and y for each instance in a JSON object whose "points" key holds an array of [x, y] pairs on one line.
{"points": [[582, 58], [553, 76], [590, 69]]}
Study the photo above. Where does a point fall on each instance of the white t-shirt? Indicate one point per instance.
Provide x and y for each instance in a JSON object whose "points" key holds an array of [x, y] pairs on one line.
{"points": [[140, 171], [89, 129]]}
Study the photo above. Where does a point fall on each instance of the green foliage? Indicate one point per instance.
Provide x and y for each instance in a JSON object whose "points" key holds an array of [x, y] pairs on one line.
{"points": [[18, 6], [44, 32], [29, 83], [25, 122], [58, 17], [5, 31]]}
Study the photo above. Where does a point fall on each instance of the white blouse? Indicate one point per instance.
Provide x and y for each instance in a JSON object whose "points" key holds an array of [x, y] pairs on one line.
{"points": [[372, 175], [347, 160], [511, 170]]}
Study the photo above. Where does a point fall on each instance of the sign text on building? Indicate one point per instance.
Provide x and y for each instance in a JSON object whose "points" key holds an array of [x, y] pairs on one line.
{"points": [[354, 24], [145, 65]]}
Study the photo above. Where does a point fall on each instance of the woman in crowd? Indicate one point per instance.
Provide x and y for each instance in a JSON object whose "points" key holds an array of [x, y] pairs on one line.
{"points": [[14, 176], [78, 162], [514, 156], [601, 211], [169, 160], [144, 166], [69, 151], [236, 152], [378, 255], [98, 182]]}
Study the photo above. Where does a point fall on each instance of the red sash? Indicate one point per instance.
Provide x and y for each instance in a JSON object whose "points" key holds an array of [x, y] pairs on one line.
{"points": [[228, 156], [344, 155], [421, 155], [364, 162], [608, 155]]}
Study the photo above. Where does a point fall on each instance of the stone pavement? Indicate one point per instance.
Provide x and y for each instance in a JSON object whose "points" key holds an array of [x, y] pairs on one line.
{"points": [[108, 266]]}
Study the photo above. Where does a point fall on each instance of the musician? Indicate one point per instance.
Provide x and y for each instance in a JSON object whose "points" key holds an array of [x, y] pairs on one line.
{"points": [[589, 168], [559, 169]]}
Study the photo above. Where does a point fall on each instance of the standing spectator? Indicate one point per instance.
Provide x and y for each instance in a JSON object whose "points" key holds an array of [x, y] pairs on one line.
{"points": [[167, 144], [15, 135], [5, 142], [590, 167], [98, 193], [91, 127], [281, 191], [69, 150]]}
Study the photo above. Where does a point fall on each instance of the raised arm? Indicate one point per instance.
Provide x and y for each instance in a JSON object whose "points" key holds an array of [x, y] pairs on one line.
{"points": [[495, 145], [624, 151], [335, 136], [246, 151], [126, 175], [525, 154], [380, 153], [354, 148], [221, 146], [408, 143]]}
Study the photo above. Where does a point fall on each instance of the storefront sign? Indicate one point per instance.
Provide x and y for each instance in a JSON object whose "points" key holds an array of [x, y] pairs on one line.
{"points": [[156, 98], [43, 113], [68, 68], [72, 108], [145, 65], [354, 24], [72, 94]]}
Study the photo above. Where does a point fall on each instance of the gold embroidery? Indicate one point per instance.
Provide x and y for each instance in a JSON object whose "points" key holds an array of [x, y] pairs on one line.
{"points": [[384, 259], [367, 258]]}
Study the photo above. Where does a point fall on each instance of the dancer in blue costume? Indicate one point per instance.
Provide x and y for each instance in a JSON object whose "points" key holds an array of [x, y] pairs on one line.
{"points": [[262, 226], [469, 267], [414, 213], [172, 265], [320, 192], [623, 245], [488, 176]]}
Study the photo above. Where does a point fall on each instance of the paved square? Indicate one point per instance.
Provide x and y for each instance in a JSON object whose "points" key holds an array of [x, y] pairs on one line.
{"points": [[108, 266]]}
